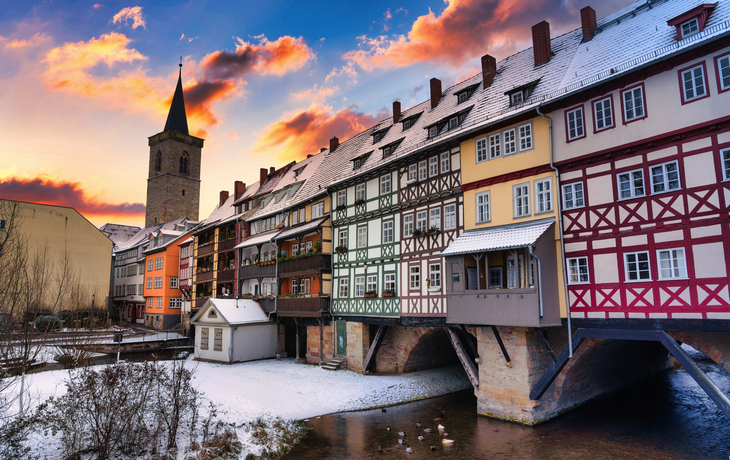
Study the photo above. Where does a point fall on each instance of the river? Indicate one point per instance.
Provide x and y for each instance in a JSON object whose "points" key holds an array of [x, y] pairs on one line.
{"points": [[666, 416]]}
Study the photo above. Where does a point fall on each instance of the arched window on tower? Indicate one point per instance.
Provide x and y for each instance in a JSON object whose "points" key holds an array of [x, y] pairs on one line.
{"points": [[184, 164], [158, 162]]}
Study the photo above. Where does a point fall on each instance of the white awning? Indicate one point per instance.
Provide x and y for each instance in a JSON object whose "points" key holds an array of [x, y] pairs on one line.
{"points": [[258, 239], [299, 229], [496, 238]]}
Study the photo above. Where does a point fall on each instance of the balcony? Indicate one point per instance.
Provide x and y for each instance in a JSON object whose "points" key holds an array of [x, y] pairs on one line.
{"points": [[257, 271], [205, 249], [496, 307], [226, 245], [306, 266], [185, 283], [204, 276], [226, 275], [200, 301], [312, 307], [266, 304]]}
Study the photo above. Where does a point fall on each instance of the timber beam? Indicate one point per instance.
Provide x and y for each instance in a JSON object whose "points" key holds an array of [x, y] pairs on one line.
{"points": [[377, 341], [469, 367], [507, 360]]}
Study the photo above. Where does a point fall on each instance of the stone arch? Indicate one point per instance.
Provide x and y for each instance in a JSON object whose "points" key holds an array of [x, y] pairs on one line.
{"points": [[410, 349], [714, 345], [185, 163], [158, 162]]}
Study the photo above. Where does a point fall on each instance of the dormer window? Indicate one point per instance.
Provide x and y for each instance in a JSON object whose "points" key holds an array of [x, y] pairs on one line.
{"points": [[691, 22], [298, 171], [379, 135], [521, 93], [410, 121], [359, 161], [453, 122], [407, 124], [390, 148], [516, 98], [464, 94], [433, 131], [462, 97]]}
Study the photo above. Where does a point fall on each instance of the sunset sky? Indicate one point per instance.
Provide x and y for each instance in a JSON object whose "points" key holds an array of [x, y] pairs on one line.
{"points": [[85, 84]]}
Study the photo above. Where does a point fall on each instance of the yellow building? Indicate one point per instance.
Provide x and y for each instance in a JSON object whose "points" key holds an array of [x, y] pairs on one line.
{"points": [[64, 231]]}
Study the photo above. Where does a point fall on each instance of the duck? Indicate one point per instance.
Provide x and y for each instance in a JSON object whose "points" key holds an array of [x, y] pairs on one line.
{"points": [[495, 430], [420, 438], [427, 430], [380, 449], [418, 424], [441, 427], [388, 428], [400, 442], [437, 419], [442, 414], [409, 450], [447, 441], [402, 433], [446, 435], [432, 447]]}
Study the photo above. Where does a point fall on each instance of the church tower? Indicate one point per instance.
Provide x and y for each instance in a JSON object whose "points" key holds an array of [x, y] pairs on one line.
{"points": [[173, 182]]}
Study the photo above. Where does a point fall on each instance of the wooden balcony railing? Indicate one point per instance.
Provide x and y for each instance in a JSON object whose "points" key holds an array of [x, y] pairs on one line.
{"points": [[312, 307], [226, 245], [257, 271], [204, 276], [266, 304], [503, 307], [200, 301], [205, 250], [226, 275], [306, 265]]}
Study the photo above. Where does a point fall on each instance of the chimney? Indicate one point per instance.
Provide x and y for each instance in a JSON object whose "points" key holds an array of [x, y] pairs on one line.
{"points": [[489, 69], [309, 155], [396, 112], [588, 21], [334, 143], [435, 92], [271, 171], [238, 189], [541, 43], [262, 176], [322, 149], [223, 198]]}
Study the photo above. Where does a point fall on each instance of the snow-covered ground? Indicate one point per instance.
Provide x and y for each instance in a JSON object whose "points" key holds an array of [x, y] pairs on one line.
{"points": [[269, 388]]}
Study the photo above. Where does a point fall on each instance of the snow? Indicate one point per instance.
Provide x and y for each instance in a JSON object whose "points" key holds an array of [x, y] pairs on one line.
{"points": [[270, 389], [234, 311]]}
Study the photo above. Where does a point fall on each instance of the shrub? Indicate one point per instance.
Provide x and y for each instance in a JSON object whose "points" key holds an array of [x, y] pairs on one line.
{"points": [[47, 323]]}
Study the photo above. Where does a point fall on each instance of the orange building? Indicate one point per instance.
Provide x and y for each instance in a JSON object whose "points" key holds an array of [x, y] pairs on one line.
{"points": [[163, 297]]}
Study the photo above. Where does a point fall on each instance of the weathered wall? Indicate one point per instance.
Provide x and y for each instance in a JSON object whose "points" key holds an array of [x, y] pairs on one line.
{"points": [[313, 344]]}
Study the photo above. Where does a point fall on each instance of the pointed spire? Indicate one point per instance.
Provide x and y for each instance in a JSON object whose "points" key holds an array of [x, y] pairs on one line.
{"points": [[176, 119]]}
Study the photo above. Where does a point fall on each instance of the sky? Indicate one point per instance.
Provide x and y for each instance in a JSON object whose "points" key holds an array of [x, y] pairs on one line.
{"points": [[84, 84]]}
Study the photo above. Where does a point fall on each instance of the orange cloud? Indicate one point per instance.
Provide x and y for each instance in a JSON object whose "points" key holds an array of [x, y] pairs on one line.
{"points": [[199, 99], [34, 41], [315, 93], [131, 12], [60, 193], [306, 131]]}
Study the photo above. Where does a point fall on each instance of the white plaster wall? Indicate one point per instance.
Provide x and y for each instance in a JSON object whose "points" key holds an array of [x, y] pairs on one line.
{"points": [[709, 260], [605, 268], [254, 341], [698, 170], [600, 189], [210, 354]]}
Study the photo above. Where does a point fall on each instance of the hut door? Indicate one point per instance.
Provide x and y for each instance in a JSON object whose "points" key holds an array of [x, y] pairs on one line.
{"points": [[342, 338]]}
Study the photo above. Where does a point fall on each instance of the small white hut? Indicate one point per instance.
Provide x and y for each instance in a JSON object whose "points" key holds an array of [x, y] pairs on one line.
{"points": [[233, 330]]}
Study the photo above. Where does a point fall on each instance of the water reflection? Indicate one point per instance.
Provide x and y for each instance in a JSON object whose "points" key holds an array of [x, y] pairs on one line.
{"points": [[664, 417]]}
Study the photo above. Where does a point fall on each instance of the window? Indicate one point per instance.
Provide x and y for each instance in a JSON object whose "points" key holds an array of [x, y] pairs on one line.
{"points": [[388, 150], [573, 196], [318, 210], [173, 282], [408, 225], [603, 114], [495, 277], [359, 286], [723, 73], [407, 123], [433, 131], [131, 289], [433, 166], [378, 136], [343, 238], [294, 218], [384, 184], [389, 282], [302, 216], [672, 264], [516, 98], [482, 149], [462, 97], [494, 146], [454, 123], [203, 338], [150, 302], [435, 219], [294, 249], [445, 162], [435, 275], [633, 101], [690, 27], [304, 286], [2, 225], [309, 248], [693, 83], [422, 170], [449, 216], [510, 146], [637, 266], [421, 221], [294, 286], [158, 263], [360, 192], [412, 172], [577, 270], [341, 198], [387, 231], [415, 274], [372, 283], [184, 164], [149, 283], [158, 162], [665, 177], [725, 160], [521, 195], [525, 137], [483, 211], [362, 237], [631, 184], [150, 263], [158, 282], [543, 195], [574, 122], [344, 284], [159, 302], [218, 339], [175, 302]]}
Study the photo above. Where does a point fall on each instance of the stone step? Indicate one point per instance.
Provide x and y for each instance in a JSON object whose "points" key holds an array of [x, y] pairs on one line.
{"points": [[329, 367]]}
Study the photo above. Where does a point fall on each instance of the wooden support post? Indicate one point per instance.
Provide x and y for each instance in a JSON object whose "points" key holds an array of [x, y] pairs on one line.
{"points": [[296, 325], [321, 341], [547, 345], [468, 339], [501, 346], [370, 357], [469, 367]]}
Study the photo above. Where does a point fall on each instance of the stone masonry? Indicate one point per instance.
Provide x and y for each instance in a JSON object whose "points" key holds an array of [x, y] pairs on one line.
{"points": [[313, 344]]}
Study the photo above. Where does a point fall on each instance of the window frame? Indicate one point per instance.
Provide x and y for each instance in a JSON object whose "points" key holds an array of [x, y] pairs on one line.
{"points": [[569, 268], [343, 283], [680, 75], [434, 218], [408, 225], [319, 207], [445, 160], [363, 235], [360, 188], [624, 118], [371, 282], [433, 166], [665, 176], [494, 146], [718, 72], [512, 142], [594, 113], [687, 22], [341, 198], [531, 137], [566, 113], [481, 154], [488, 206], [386, 231], [515, 198], [659, 265], [174, 282], [638, 271], [414, 274], [387, 282], [725, 164], [342, 237], [549, 192], [572, 186], [385, 179], [424, 220], [359, 290], [632, 188], [422, 167], [449, 216], [413, 168]]}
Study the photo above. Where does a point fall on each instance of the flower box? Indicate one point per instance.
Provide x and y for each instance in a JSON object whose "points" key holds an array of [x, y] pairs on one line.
{"points": [[388, 294], [370, 294]]}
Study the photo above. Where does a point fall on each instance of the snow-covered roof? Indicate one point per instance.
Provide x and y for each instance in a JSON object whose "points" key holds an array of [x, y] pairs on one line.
{"points": [[233, 311], [220, 214], [119, 233], [258, 239], [502, 237], [141, 236], [300, 229]]}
